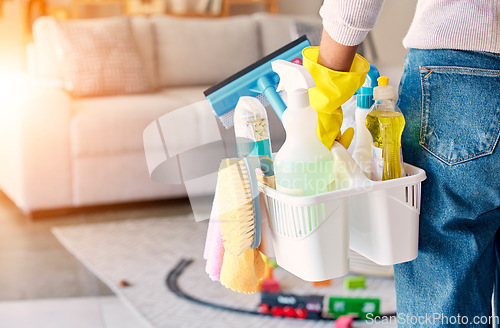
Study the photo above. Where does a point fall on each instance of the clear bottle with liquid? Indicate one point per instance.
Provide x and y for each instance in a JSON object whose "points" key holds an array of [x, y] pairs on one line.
{"points": [[303, 165], [385, 123], [251, 128]]}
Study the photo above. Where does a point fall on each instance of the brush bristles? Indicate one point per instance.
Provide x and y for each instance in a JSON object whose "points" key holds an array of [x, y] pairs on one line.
{"points": [[236, 210]]}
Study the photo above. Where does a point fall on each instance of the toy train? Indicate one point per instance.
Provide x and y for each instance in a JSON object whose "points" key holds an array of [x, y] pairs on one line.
{"points": [[311, 306]]}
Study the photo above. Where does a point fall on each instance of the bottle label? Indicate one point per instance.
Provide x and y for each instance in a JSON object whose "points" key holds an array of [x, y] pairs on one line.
{"points": [[257, 130], [401, 162], [377, 163], [262, 147], [304, 178], [289, 191]]}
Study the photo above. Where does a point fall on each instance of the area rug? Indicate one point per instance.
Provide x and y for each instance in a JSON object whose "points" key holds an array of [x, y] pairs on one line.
{"points": [[140, 253]]}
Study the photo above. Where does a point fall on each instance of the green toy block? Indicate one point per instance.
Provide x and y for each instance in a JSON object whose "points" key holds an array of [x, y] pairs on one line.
{"points": [[357, 282], [356, 307], [272, 262]]}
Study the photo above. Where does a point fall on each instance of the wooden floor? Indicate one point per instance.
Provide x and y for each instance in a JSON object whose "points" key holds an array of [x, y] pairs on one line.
{"points": [[34, 265]]}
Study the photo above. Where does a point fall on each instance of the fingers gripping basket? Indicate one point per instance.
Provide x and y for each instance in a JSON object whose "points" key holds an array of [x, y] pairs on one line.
{"points": [[378, 219]]}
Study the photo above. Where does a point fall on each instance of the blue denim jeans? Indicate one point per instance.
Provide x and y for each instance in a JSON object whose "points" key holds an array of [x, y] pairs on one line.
{"points": [[451, 103]]}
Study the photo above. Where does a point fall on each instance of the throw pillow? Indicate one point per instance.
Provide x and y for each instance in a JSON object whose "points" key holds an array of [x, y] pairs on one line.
{"points": [[99, 57]]}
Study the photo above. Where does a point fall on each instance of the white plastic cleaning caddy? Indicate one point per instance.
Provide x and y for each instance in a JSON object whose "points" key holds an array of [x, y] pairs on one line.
{"points": [[378, 219]]}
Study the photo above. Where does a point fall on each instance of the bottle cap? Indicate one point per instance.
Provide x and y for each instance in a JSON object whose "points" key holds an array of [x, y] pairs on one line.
{"points": [[384, 90], [295, 80], [383, 80], [364, 99]]}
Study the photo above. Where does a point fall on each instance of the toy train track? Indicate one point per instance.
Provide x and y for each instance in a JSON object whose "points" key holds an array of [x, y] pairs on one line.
{"points": [[173, 286], [273, 304]]}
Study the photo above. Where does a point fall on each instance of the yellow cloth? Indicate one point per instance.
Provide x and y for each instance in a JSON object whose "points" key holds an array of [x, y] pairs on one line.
{"points": [[242, 273], [332, 89]]}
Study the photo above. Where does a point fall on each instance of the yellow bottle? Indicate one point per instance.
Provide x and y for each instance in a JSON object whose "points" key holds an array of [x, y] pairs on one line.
{"points": [[385, 123]]}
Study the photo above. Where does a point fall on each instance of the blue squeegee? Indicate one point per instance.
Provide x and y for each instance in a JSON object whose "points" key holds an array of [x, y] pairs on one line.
{"points": [[258, 78]]}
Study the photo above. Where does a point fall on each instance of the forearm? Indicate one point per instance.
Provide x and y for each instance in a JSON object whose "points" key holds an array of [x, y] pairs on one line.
{"points": [[349, 21], [346, 23], [334, 55]]}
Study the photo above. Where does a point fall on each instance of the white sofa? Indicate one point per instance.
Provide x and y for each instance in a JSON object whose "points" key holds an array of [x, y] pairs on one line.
{"points": [[64, 152]]}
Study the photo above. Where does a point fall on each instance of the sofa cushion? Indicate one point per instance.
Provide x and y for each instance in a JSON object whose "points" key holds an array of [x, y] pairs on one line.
{"points": [[111, 125], [47, 61], [143, 33], [204, 51], [119, 178], [100, 57]]}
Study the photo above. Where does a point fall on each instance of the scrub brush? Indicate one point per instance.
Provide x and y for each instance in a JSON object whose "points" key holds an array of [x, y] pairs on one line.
{"points": [[239, 206]]}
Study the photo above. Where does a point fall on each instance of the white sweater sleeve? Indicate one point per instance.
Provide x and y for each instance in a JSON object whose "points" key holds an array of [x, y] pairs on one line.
{"points": [[349, 21]]}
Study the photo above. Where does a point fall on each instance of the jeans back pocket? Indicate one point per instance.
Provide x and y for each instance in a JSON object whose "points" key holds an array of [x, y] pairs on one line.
{"points": [[460, 112]]}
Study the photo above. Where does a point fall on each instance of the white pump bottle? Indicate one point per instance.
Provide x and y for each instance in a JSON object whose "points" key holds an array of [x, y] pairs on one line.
{"points": [[303, 165]]}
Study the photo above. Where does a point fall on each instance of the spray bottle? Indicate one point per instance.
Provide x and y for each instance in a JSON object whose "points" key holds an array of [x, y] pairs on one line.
{"points": [[385, 123], [303, 165], [251, 128]]}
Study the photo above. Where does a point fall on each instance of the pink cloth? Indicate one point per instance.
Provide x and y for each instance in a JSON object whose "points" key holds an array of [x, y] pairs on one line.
{"points": [[214, 248]]}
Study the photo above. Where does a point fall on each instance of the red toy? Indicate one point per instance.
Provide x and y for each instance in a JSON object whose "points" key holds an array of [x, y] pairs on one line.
{"points": [[269, 284], [344, 321]]}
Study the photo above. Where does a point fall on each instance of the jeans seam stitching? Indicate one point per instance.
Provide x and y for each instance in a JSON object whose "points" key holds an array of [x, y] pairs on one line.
{"points": [[460, 159], [428, 74], [422, 118], [486, 151], [458, 69]]}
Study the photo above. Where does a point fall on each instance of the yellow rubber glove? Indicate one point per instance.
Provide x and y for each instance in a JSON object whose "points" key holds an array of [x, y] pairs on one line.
{"points": [[332, 89]]}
